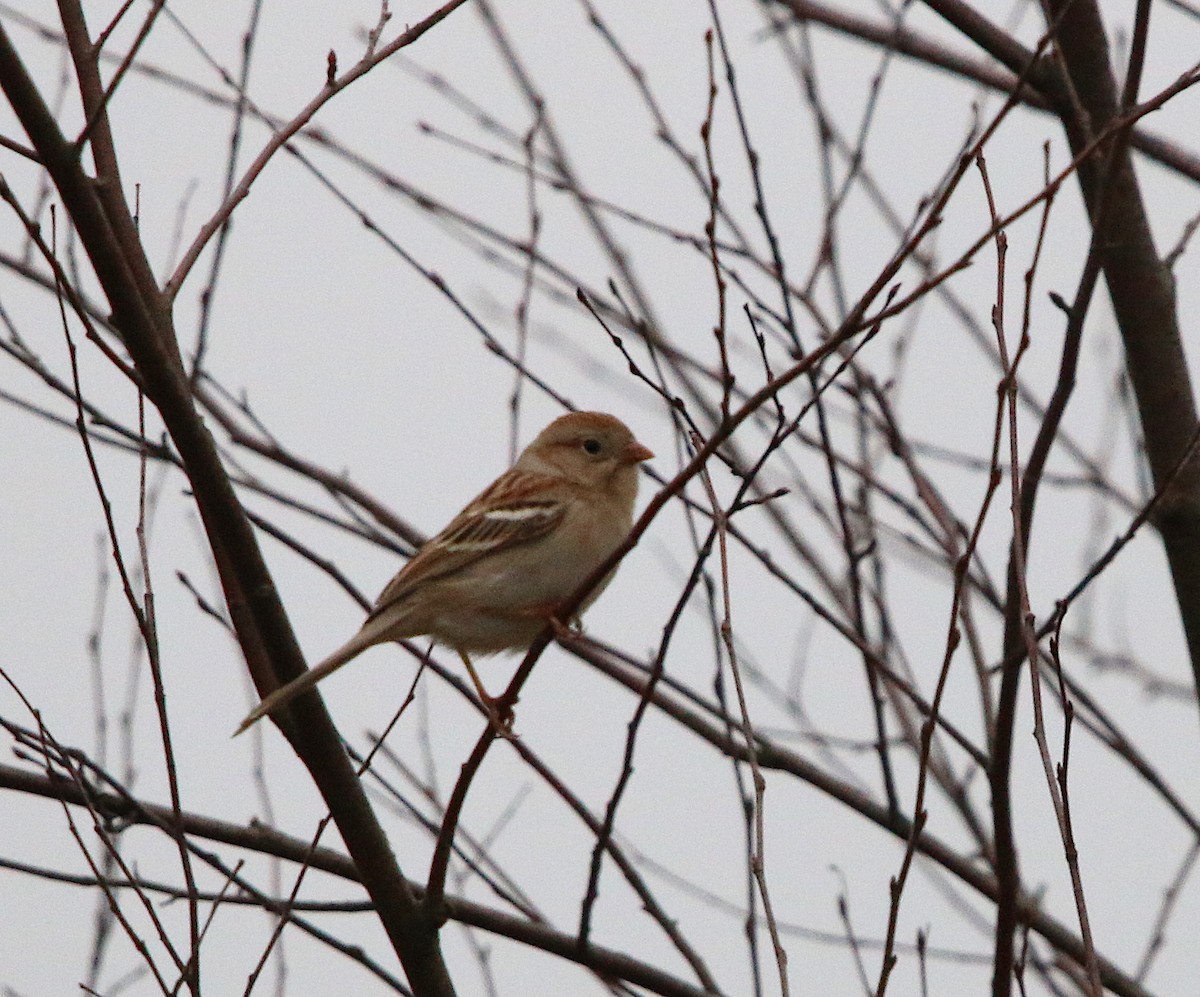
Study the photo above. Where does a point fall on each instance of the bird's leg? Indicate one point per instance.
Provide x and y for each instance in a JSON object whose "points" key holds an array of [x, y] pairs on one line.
{"points": [[498, 709]]}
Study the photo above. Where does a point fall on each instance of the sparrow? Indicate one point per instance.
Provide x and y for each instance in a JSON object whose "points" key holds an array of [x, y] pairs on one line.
{"points": [[495, 576]]}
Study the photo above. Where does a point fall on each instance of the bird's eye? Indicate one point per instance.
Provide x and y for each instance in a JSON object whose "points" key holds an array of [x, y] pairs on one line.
{"points": [[592, 446]]}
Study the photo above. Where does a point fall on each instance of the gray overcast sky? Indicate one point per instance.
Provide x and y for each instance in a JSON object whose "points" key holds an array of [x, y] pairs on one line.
{"points": [[357, 362]]}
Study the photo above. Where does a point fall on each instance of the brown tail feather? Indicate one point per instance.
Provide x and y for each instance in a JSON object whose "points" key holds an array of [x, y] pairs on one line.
{"points": [[286, 693]]}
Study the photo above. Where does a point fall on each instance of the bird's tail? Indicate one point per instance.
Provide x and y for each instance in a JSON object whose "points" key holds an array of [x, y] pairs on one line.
{"points": [[286, 693]]}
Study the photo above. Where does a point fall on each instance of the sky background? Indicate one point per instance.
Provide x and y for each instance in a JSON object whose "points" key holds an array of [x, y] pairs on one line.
{"points": [[357, 362]]}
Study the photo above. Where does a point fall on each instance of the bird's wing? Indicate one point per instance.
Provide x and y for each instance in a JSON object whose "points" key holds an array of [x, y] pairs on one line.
{"points": [[517, 509]]}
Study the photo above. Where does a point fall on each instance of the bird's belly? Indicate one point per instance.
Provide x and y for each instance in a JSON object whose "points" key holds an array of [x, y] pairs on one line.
{"points": [[506, 606]]}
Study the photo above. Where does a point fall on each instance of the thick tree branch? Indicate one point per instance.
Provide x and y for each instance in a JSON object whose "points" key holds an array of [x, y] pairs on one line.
{"points": [[1143, 297], [268, 841], [144, 323]]}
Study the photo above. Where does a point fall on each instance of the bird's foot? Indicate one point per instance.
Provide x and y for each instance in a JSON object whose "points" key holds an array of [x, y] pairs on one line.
{"points": [[569, 631], [500, 715]]}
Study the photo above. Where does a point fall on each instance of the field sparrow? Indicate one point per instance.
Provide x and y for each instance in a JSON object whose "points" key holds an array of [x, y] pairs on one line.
{"points": [[493, 578]]}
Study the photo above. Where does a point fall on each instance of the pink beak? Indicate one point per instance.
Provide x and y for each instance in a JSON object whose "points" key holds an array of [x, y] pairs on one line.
{"points": [[635, 453]]}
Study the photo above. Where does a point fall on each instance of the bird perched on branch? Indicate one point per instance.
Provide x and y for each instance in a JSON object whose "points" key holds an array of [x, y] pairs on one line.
{"points": [[495, 576]]}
